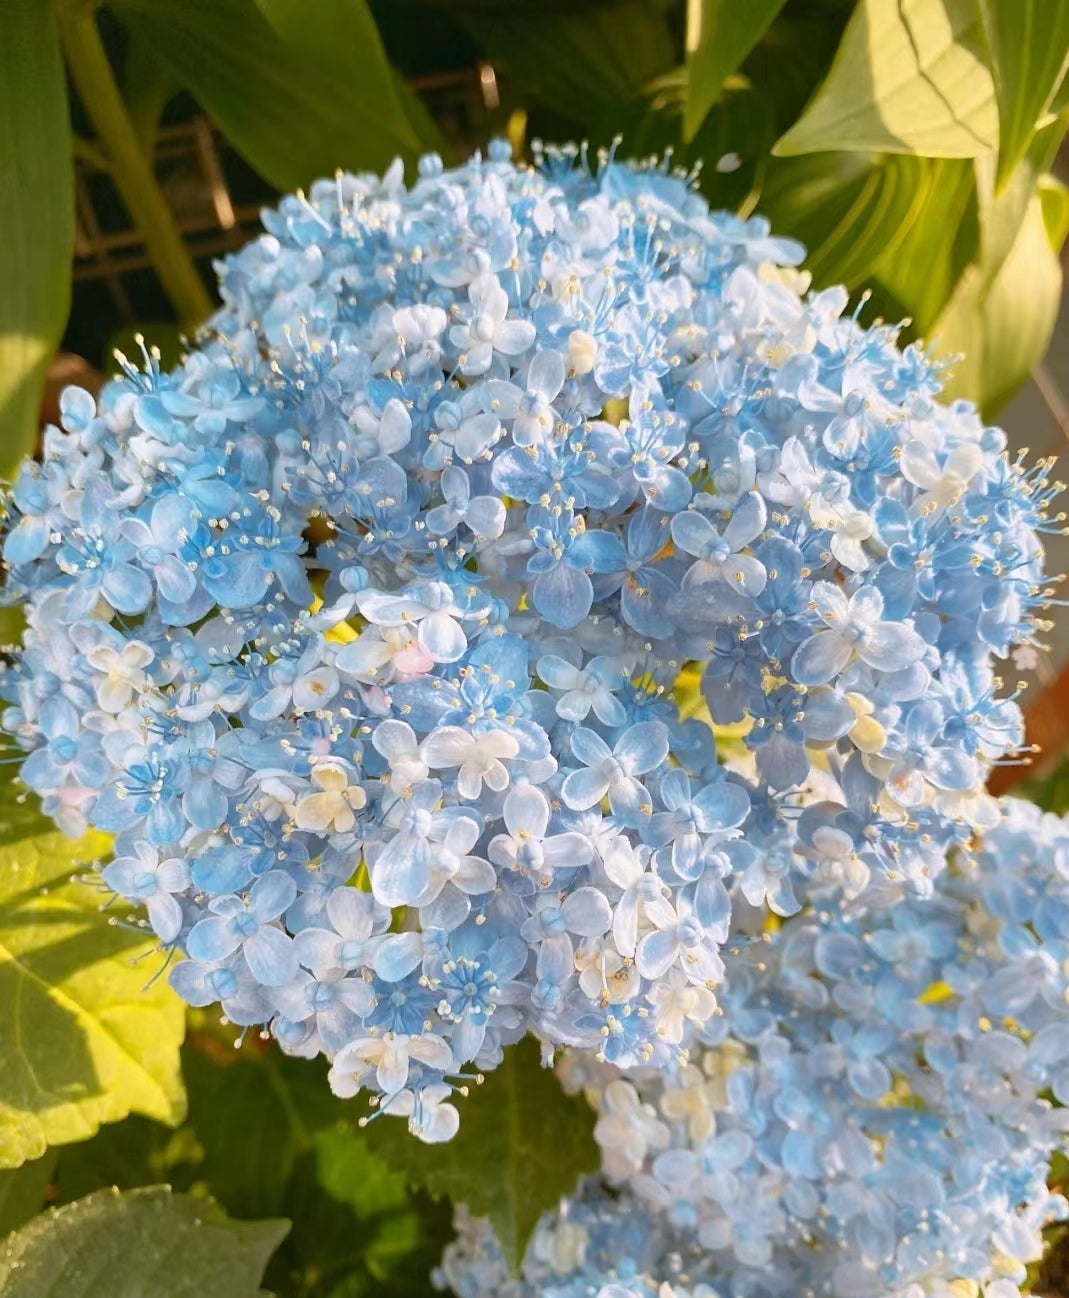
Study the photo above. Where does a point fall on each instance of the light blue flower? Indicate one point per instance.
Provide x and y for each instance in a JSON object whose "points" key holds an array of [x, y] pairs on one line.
{"points": [[631, 566], [154, 883], [614, 772], [583, 689], [249, 926], [853, 627], [377, 602], [719, 554]]}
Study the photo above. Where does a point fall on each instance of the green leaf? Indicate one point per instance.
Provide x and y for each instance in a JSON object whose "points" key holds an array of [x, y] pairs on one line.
{"points": [[82, 1039], [141, 1244], [522, 1144], [275, 1141], [128, 1154], [1028, 44], [1000, 319], [740, 127], [1002, 208], [252, 1123], [266, 1137], [916, 275], [357, 1224], [909, 77], [849, 209], [23, 1189], [343, 43], [720, 34], [36, 219], [292, 115], [1003, 334], [580, 59], [1054, 204]]}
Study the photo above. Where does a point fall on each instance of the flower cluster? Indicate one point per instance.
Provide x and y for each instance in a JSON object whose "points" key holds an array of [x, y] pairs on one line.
{"points": [[872, 1116], [597, 1246], [360, 629]]}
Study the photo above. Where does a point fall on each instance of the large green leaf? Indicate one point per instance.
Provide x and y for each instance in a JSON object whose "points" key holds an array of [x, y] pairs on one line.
{"points": [[919, 270], [290, 113], [1028, 44], [1006, 300], [963, 220], [1055, 208], [720, 33], [579, 59], [908, 77], [1002, 209], [266, 1137], [356, 1221], [1000, 319], [849, 209], [522, 1144], [36, 219], [274, 1140], [142, 1244], [343, 43], [82, 1039]]}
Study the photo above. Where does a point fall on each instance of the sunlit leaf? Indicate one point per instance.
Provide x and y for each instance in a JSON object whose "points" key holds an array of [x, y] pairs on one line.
{"points": [[1028, 44], [908, 77], [920, 269], [849, 209], [1000, 321], [1054, 204], [82, 1040]]}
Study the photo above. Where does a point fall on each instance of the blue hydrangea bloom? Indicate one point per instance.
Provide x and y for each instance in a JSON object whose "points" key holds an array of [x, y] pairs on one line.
{"points": [[872, 1113], [361, 629]]}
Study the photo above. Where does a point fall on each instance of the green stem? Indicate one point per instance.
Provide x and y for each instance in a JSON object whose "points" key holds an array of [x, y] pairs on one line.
{"points": [[93, 79]]}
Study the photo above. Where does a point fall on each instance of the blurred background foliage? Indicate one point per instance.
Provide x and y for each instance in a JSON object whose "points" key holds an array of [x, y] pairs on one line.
{"points": [[907, 143]]}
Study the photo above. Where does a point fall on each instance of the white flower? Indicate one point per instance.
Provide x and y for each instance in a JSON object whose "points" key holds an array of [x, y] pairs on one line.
{"points": [[479, 757], [397, 742], [429, 1115], [124, 674], [605, 975], [678, 1001], [942, 487], [582, 351], [333, 806], [627, 1130], [390, 1056], [850, 528], [487, 328]]}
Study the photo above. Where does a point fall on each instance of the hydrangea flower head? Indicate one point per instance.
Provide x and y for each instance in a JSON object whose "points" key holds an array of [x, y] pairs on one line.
{"points": [[873, 1113], [360, 629]]}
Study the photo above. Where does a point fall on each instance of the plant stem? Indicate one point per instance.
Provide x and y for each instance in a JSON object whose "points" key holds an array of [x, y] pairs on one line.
{"points": [[93, 79]]}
